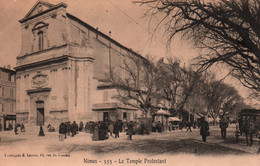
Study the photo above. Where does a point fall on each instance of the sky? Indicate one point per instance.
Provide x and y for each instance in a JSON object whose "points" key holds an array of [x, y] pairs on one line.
{"points": [[123, 18]]}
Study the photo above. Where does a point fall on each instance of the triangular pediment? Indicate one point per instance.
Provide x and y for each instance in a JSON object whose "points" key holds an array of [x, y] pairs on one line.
{"points": [[40, 6]]}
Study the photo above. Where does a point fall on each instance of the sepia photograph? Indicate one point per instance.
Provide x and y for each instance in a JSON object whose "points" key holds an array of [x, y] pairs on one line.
{"points": [[130, 82]]}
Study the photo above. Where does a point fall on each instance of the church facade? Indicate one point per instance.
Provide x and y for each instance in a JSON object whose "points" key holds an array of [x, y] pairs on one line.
{"points": [[61, 70]]}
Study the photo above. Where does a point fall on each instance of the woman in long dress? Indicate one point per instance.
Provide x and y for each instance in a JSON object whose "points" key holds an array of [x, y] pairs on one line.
{"points": [[96, 133], [41, 132]]}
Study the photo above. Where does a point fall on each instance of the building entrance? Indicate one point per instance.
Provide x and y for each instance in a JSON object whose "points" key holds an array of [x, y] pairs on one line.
{"points": [[40, 113], [105, 116]]}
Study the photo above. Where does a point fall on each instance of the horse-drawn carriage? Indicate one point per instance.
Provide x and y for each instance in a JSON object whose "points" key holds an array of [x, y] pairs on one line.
{"points": [[248, 123]]}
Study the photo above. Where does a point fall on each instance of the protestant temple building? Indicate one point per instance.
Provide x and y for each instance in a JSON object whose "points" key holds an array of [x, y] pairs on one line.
{"points": [[61, 70]]}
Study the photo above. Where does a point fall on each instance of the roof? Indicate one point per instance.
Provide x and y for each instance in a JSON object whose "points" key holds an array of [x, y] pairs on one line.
{"points": [[48, 7], [249, 112], [174, 119], [110, 106], [7, 70], [105, 85], [103, 35], [162, 112]]}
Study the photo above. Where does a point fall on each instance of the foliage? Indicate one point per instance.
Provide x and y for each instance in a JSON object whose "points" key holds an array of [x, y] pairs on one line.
{"points": [[227, 31]]}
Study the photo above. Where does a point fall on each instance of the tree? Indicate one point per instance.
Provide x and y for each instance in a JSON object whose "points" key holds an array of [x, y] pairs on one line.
{"points": [[135, 81], [177, 85], [232, 98], [228, 31], [219, 97]]}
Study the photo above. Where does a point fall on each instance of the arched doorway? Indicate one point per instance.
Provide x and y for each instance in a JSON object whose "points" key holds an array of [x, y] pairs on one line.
{"points": [[40, 112]]}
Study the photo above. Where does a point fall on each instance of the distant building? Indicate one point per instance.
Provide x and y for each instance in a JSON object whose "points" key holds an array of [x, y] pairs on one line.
{"points": [[61, 69], [7, 98]]}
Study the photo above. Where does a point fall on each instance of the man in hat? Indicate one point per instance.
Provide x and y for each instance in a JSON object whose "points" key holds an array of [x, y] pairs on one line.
{"points": [[223, 126], [204, 129]]}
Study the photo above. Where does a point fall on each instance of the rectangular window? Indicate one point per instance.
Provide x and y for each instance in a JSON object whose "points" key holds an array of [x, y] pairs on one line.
{"points": [[3, 91], [12, 108], [3, 107], [9, 77], [105, 97], [40, 42], [124, 115], [11, 92]]}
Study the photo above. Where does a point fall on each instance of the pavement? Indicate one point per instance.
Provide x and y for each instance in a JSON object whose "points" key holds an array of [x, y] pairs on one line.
{"points": [[180, 144]]}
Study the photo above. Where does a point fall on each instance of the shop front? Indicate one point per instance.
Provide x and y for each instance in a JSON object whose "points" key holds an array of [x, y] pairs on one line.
{"points": [[113, 112], [9, 122]]}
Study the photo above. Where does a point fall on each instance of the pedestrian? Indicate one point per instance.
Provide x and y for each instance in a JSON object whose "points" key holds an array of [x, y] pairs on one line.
{"points": [[251, 132], [170, 127], [130, 130], [81, 126], [16, 128], [120, 124], [73, 129], [22, 128], [204, 129], [41, 132], [86, 127], [10, 126], [154, 126], [158, 126], [240, 124], [116, 129], [102, 131], [68, 126], [223, 125], [111, 128], [62, 131], [258, 151], [95, 136], [189, 126]]}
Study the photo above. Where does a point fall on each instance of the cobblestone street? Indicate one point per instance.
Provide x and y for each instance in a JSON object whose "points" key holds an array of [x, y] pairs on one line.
{"points": [[177, 143]]}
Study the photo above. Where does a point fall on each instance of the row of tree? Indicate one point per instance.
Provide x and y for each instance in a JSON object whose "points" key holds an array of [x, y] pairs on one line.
{"points": [[226, 31], [147, 85]]}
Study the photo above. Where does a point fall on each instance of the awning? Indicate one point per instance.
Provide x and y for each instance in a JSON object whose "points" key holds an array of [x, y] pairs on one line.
{"points": [[174, 119], [10, 117], [162, 112], [110, 106]]}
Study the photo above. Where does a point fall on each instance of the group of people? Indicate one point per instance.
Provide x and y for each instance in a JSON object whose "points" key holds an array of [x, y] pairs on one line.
{"points": [[70, 129], [204, 128], [16, 126], [102, 129], [249, 128], [157, 127], [65, 128]]}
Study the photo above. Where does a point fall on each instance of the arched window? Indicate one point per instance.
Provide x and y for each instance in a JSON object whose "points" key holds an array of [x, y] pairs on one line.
{"points": [[40, 29]]}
